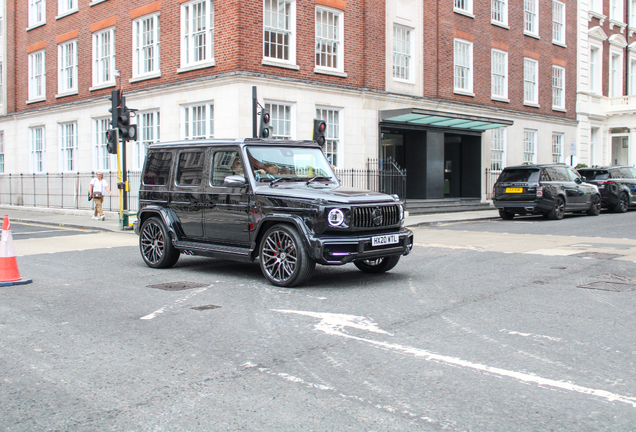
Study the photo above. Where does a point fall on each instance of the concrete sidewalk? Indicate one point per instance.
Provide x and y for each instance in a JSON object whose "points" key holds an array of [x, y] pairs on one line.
{"points": [[83, 218]]}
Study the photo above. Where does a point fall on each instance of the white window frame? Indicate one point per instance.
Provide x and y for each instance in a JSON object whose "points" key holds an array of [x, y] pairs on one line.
{"points": [[558, 87], [530, 81], [37, 76], [68, 146], [593, 135], [531, 17], [615, 78], [102, 160], [329, 39], [282, 119], [596, 6], [499, 12], [146, 46], [197, 46], [463, 66], [558, 22], [632, 18], [463, 6], [286, 27], [148, 132], [1, 84], [530, 146], [37, 149], [616, 13], [499, 74], [104, 57], [66, 7], [557, 147], [498, 146], [632, 77], [37, 13], [197, 120], [1, 152], [402, 53], [333, 135], [596, 69], [67, 67]]}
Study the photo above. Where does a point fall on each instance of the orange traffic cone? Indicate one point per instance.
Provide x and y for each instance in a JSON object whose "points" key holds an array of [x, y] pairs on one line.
{"points": [[9, 274]]}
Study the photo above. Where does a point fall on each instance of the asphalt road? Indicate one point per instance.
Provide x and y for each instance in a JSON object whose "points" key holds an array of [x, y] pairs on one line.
{"points": [[479, 329]]}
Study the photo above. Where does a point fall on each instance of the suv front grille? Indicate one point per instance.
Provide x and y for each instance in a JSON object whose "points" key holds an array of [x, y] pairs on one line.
{"points": [[375, 217]]}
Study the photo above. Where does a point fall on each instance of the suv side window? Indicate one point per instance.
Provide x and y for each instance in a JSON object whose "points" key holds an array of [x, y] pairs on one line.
{"points": [[190, 168], [158, 168], [632, 172], [225, 163], [572, 175], [559, 174], [545, 175]]}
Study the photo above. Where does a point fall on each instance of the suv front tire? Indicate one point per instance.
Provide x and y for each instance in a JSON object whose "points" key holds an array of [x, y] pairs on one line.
{"points": [[155, 245], [283, 258]]}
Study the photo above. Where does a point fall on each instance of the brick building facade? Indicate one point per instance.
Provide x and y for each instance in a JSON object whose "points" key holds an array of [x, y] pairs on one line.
{"points": [[447, 92]]}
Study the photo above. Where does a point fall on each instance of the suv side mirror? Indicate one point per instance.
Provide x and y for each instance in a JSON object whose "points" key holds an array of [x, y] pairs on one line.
{"points": [[234, 181], [583, 178], [578, 180]]}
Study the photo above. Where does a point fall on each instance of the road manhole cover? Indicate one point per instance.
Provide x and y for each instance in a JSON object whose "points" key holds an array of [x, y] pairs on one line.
{"points": [[206, 307], [615, 277], [609, 286], [597, 255], [178, 286]]}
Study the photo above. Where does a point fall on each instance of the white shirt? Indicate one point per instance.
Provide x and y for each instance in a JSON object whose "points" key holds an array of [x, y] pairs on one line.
{"points": [[99, 186]]}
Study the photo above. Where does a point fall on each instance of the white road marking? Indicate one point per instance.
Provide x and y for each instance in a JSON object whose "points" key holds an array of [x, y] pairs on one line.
{"points": [[334, 324], [167, 308], [534, 336]]}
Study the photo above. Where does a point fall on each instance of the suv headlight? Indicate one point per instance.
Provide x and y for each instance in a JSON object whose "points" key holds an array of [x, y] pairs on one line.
{"points": [[335, 217], [401, 207]]}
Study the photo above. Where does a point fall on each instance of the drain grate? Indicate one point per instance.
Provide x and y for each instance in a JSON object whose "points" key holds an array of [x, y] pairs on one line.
{"points": [[609, 286], [178, 286], [596, 255], [206, 307]]}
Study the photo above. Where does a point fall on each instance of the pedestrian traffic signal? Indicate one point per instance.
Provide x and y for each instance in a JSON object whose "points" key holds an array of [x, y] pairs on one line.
{"points": [[265, 130], [115, 99], [112, 140], [320, 127]]}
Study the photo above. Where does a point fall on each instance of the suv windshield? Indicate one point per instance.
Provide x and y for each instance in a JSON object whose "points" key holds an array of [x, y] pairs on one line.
{"points": [[519, 175], [298, 163], [594, 174]]}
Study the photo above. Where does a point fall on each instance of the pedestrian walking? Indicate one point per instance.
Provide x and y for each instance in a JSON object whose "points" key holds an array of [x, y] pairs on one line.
{"points": [[96, 191]]}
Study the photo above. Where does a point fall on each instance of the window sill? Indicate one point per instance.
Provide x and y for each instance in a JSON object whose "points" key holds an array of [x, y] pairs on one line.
{"points": [[563, 110], [145, 77], [68, 93], [500, 24], [500, 99], [41, 99], [532, 104], [561, 44], [532, 35], [95, 2], [34, 26], [197, 66], [67, 13], [463, 12], [464, 92], [615, 23], [274, 63], [333, 72], [594, 14], [403, 81], [103, 86]]}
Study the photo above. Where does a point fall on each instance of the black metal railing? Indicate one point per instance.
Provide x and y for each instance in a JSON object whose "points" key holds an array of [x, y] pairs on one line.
{"points": [[379, 176], [491, 179]]}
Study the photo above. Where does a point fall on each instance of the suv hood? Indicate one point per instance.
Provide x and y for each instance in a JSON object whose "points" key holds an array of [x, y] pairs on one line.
{"points": [[342, 194]]}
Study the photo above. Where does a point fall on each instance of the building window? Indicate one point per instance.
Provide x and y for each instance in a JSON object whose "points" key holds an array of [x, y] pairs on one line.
{"points": [[464, 6], [67, 61], [615, 75], [37, 144], [499, 11], [197, 31], [146, 45], [596, 6], [632, 78], [329, 39], [498, 149], [198, 121], [104, 57], [463, 66], [595, 70], [68, 147], [558, 87], [37, 79], [148, 130], [66, 6], [279, 23], [616, 10], [530, 84], [593, 133], [1, 152], [499, 74], [281, 120], [530, 16], [401, 53], [632, 8], [557, 148], [529, 146], [332, 134], [103, 161], [1, 85], [558, 22], [37, 12]]}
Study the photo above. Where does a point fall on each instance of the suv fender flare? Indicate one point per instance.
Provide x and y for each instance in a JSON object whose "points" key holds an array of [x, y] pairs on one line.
{"points": [[270, 220], [167, 216]]}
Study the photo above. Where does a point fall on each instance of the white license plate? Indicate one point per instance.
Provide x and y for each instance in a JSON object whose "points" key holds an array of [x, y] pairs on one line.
{"points": [[385, 240]]}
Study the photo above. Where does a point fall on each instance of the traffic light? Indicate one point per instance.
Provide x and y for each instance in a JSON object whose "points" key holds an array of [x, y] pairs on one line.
{"points": [[112, 137], [127, 132], [320, 127], [265, 130], [115, 99]]}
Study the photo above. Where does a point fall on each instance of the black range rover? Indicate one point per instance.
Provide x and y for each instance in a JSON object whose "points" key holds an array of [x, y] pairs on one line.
{"points": [[616, 184], [550, 190], [278, 202]]}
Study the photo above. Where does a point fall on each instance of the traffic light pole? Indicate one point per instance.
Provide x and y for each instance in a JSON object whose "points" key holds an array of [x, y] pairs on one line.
{"points": [[254, 113]]}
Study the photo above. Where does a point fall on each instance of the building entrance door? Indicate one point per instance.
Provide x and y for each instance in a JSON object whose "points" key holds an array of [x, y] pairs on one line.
{"points": [[620, 150]]}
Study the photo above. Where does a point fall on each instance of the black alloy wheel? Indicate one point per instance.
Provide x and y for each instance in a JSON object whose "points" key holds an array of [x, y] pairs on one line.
{"points": [[379, 265], [283, 258], [155, 245], [559, 209], [622, 204], [506, 215], [595, 207]]}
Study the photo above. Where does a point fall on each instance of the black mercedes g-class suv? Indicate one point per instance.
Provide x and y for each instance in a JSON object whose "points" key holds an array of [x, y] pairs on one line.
{"points": [[278, 202], [617, 185], [550, 190]]}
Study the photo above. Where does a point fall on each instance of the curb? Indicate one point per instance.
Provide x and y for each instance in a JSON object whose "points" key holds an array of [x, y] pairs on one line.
{"points": [[443, 222], [67, 225]]}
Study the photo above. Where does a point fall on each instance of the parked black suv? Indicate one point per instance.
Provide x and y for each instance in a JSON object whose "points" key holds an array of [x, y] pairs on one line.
{"points": [[278, 202], [550, 190], [616, 184]]}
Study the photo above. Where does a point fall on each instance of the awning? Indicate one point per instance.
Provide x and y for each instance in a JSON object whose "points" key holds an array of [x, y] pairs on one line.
{"points": [[419, 117]]}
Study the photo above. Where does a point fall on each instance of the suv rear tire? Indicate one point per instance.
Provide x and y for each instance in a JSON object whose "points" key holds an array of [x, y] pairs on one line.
{"points": [[155, 245], [506, 215], [559, 209], [622, 204], [595, 207], [283, 258], [379, 265]]}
